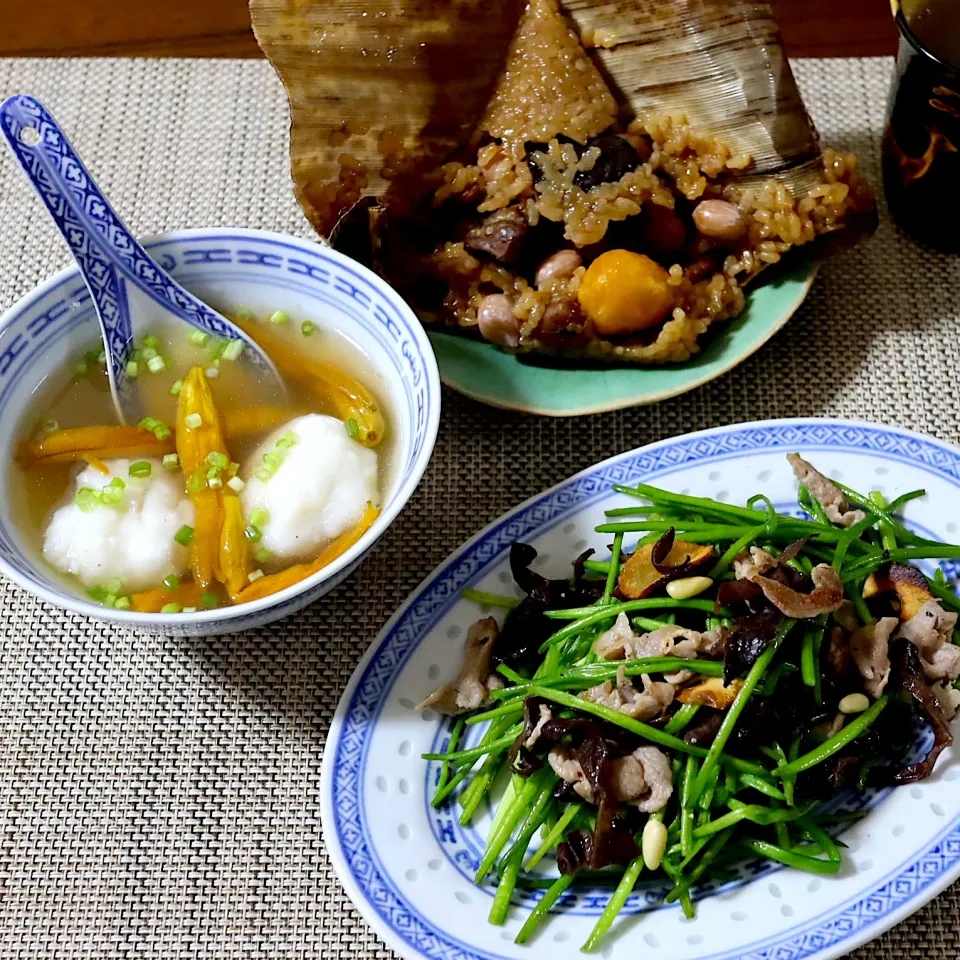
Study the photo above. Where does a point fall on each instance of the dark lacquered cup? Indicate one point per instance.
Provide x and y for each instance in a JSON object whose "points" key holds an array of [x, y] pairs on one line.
{"points": [[921, 143]]}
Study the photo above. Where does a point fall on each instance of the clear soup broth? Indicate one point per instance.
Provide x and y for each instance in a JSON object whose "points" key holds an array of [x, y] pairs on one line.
{"points": [[322, 370]]}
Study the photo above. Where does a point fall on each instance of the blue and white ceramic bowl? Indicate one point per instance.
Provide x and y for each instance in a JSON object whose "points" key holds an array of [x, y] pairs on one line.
{"points": [[230, 268]]}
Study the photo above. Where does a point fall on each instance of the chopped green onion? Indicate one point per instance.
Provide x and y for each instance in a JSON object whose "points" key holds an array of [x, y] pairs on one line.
{"points": [[243, 313], [132, 369], [198, 338], [214, 483], [102, 358], [279, 316], [352, 428], [189, 609], [171, 580], [171, 461], [193, 420], [253, 533], [273, 460], [184, 536], [140, 469], [157, 427], [151, 341], [210, 600], [235, 484], [196, 481], [80, 368], [233, 350], [217, 459], [98, 594], [255, 576], [112, 493], [148, 353], [212, 373], [233, 469], [157, 365], [113, 586], [121, 603], [175, 388], [308, 328], [262, 554], [171, 608], [259, 517], [86, 499]]}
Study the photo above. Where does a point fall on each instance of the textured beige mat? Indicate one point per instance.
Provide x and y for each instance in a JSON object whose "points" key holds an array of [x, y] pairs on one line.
{"points": [[159, 797]]}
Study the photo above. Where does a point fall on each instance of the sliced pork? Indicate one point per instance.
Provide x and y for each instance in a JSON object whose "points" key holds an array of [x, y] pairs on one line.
{"points": [[642, 778], [624, 697], [870, 648], [476, 679], [825, 492]]}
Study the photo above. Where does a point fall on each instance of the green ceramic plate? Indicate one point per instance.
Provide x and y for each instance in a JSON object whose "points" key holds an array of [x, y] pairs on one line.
{"points": [[533, 384]]}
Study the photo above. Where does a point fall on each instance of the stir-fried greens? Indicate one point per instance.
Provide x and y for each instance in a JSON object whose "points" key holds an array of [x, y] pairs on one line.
{"points": [[693, 702]]}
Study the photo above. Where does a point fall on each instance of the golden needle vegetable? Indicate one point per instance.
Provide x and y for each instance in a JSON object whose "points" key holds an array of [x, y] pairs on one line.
{"points": [[97, 464], [351, 398], [275, 582], [197, 438], [152, 601], [234, 562], [82, 443], [199, 435], [108, 442], [205, 547], [244, 421]]}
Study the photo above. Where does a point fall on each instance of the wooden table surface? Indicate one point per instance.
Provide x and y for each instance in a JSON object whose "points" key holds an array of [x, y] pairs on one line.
{"points": [[221, 28]]}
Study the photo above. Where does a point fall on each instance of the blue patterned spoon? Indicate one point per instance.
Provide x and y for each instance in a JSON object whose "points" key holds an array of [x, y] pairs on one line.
{"points": [[130, 290]]}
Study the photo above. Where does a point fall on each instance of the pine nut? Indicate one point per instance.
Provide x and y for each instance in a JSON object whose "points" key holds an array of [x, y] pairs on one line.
{"points": [[653, 843], [688, 587], [853, 703]]}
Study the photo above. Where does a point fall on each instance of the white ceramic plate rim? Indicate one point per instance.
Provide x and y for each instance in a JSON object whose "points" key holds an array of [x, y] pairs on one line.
{"points": [[345, 560], [868, 932]]}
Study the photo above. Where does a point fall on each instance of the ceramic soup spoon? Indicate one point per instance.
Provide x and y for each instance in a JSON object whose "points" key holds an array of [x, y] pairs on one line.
{"points": [[131, 292]]}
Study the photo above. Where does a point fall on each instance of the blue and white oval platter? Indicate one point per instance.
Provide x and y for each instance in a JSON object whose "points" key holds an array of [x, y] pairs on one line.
{"points": [[408, 867]]}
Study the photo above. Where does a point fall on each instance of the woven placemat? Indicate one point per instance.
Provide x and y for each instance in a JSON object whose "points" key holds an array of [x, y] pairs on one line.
{"points": [[159, 797]]}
